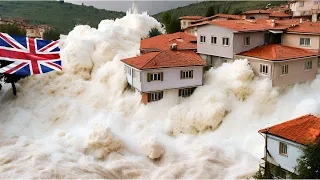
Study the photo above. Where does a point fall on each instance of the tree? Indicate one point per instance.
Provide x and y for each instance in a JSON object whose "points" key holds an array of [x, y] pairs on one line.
{"points": [[11, 29], [51, 35], [210, 11], [171, 23], [154, 32], [309, 163]]}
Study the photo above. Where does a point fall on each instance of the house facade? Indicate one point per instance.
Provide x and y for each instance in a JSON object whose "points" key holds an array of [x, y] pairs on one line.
{"points": [[185, 21], [305, 8], [285, 142], [167, 62], [219, 41], [284, 65]]}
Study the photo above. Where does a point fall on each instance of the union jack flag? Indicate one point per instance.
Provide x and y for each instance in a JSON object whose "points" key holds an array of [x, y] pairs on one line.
{"points": [[29, 56]]}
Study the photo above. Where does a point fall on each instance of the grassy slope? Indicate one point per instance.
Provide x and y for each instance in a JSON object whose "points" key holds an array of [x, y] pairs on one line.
{"points": [[62, 16], [201, 8]]}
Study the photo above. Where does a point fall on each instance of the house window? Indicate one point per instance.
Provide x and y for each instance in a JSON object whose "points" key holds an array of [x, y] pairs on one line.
{"points": [[264, 69], [307, 65], [283, 149], [155, 76], [186, 74], [246, 41], [305, 42], [301, 3], [156, 96], [213, 40], [225, 41], [284, 69], [186, 92], [202, 39], [283, 174]]}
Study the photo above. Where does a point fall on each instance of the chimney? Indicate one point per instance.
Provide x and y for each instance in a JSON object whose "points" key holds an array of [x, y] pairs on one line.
{"points": [[301, 20], [271, 22], [173, 46]]}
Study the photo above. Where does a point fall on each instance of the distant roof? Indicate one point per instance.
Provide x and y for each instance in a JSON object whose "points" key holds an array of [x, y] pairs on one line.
{"points": [[302, 130], [191, 17], [163, 42], [228, 16], [306, 27], [279, 14], [166, 58], [237, 25], [257, 11], [277, 52]]}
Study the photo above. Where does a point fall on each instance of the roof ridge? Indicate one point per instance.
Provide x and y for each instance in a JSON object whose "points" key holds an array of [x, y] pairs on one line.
{"points": [[152, 58]]}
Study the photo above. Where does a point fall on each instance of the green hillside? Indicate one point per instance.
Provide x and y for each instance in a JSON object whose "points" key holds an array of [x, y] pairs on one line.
{"points": [[234, 7], [62, 16]]}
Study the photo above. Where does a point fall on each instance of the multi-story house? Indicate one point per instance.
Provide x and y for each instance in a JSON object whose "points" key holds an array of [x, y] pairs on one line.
{"points": [[185, 21], [167, 63], [284, 144], [219, 41], [303, 35], [302, 8], [284, 65]]}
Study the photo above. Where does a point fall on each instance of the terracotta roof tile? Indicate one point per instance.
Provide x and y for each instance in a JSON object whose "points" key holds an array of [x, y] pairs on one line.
{"points": [[279, 14], [163, 42], [166, 58], [306, 27], [277, 52], [191, 17], [302, 130], [241, 25]]}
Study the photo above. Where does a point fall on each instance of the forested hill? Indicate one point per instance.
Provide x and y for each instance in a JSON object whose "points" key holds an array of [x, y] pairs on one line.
{"points": [[63, 16], [231, 7]]}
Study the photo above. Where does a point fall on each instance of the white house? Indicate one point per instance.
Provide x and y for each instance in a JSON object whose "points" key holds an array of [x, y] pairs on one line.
{"points": [[285, 141], [164, 68]]}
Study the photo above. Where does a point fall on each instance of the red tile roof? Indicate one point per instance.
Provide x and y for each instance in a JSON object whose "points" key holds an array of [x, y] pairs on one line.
{"points": [[228, 16], [258, 11], [302, 130], [241, 25], [277, 52], [166, 58], [306, 27], [279, 14], [163, 42], [191, 17]]}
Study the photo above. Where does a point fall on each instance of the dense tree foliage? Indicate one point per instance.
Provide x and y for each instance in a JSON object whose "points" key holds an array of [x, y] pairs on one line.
{"points": [[154, 32], [51, 35], [210, 11], [62, 16], [232, 7], [11, 29], [309, 163], [171, 23]]}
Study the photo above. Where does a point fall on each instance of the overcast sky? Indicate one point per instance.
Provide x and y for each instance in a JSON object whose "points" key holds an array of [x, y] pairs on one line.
{"points": [[153, 7]]}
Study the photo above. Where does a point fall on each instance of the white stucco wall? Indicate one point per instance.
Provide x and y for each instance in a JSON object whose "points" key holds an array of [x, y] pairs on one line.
{"points": [[134, 80], [212, 49], [256, 39], [294, 151], [171, 79]]}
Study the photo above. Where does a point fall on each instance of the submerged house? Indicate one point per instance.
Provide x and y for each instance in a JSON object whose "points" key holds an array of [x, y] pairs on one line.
{"points": [[284, 65], [167, 62], [284, 144]]}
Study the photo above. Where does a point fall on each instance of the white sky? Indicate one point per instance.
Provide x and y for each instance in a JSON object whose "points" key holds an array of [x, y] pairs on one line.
{"points": [[153, 7]]}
